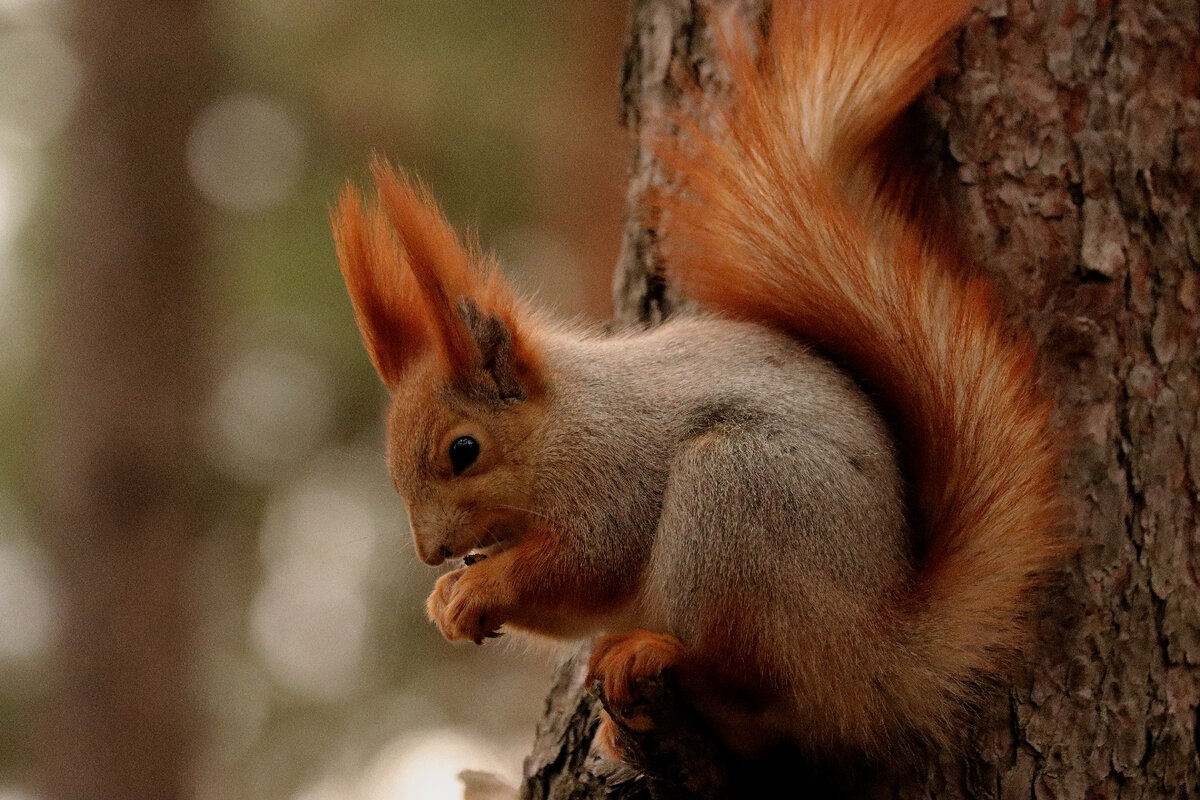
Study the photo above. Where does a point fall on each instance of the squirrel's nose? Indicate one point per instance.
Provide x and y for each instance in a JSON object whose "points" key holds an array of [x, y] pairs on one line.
{"points": [[433, 553]]}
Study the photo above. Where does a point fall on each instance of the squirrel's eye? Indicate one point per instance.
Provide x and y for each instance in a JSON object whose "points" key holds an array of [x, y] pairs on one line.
{"points": [[463, 452]]}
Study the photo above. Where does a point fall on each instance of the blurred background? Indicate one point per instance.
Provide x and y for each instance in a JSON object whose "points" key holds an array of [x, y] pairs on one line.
{"points": [[207, 586]]}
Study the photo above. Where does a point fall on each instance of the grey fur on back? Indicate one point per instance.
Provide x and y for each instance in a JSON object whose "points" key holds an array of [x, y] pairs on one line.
{"points": [[816, 537]]}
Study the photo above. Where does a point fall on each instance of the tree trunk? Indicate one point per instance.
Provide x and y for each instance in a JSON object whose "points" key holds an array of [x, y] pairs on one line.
{"points": [[119, 461], [1066, 138]]}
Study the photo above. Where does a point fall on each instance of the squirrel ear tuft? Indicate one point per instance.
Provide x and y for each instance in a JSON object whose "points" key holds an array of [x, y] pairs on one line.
{"points": [[383, 290], [418, 291], [436, 259]]}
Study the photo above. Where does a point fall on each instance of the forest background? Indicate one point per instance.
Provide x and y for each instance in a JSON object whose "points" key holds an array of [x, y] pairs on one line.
{"points": [[288, 585]]}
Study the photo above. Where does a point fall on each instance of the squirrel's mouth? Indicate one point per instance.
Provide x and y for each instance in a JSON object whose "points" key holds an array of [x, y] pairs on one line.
{"points": [[477, 554], [499, 538]]}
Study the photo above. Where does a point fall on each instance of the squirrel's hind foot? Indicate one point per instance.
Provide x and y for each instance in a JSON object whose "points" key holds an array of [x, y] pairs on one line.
{"points": [[623, 662]]}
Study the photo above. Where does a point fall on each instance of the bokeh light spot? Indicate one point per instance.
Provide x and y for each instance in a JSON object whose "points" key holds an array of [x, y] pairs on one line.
{"points": [[427, 764], [271, 408], [40, 86], [246, 152], [26, 603], [310, 633]]}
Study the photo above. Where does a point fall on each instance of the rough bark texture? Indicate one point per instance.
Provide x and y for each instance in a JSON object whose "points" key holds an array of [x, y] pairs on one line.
{"points": [[119, 453], [1066, 138]]}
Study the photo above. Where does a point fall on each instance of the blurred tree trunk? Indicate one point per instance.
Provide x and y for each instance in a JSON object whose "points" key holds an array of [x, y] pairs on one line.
{"points": [[581, 167], [118, 461], [1066, 137]]}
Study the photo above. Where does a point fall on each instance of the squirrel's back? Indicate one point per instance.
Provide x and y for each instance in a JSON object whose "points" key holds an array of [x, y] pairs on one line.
{"points": [[761, 488]]}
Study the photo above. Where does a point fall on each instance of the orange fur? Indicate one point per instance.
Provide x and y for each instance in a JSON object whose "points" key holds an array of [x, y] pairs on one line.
{"points": [[406, 271], [387, 305], [785, 218], [608, 737], [621, 661], [531, 586]]}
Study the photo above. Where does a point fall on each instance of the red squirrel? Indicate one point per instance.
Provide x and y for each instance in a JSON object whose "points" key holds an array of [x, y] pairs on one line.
{"points": [[832, 490]]}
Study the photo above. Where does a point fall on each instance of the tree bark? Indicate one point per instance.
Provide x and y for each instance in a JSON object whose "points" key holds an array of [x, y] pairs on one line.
{"points": [[119, 461], [1065, 137]]}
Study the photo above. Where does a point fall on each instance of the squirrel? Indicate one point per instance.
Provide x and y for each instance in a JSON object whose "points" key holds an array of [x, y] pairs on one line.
{"points": [[823, 501]]}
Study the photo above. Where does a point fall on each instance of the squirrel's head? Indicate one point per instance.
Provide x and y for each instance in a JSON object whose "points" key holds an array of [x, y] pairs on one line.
{"points": [[454, 348]]}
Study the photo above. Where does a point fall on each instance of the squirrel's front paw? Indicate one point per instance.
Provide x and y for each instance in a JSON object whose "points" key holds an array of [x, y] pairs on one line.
{"points": [[465, 605]]}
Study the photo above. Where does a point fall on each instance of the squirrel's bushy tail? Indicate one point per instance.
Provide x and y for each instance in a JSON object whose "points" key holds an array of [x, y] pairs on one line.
{"points": [[784, 217]]}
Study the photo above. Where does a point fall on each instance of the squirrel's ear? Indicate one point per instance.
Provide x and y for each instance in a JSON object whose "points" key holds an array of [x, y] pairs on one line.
{"points": [[473, 316], [384, 292], [436, 259]]}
